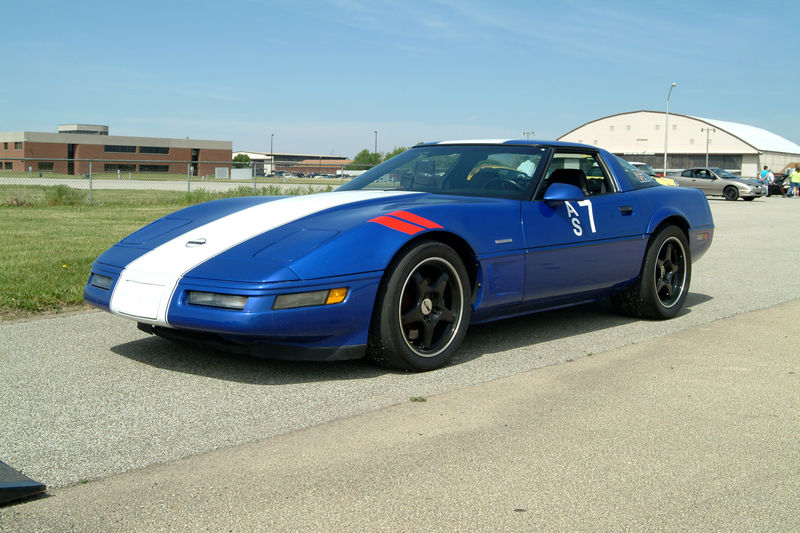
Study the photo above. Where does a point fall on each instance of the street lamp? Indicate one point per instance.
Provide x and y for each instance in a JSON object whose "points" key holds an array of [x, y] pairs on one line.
{"points": [[528, 134], [666, 128], [376, 141], [708, 132], [271, 154]]}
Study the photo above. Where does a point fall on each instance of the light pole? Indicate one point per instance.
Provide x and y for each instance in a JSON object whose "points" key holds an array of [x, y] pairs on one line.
{"points": [[528, 134], [666, 127], [271, 155], [708, 132], [376, 141]]}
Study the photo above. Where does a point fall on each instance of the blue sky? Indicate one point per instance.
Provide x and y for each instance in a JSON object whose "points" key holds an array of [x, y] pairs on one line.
{"points": [[323, 76]]}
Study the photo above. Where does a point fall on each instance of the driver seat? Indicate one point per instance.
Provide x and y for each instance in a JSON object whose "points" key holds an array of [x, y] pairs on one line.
{"points": [[570, 176]]}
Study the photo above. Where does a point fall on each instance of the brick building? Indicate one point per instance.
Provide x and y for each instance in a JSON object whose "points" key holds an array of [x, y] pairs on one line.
{"points": [[71, 149]]}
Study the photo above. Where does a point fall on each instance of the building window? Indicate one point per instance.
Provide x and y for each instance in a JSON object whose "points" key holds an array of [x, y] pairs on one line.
{"points": [[116, 148], [154, 150], [658, 127], [674, 127], [691, 141], [154, 168], [5, 146], [114, 167], [628, 128], [46, 165], [611, 128], [8, 165], [18, 145]]}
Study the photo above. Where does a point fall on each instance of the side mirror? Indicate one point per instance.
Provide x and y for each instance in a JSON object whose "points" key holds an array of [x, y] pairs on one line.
{"points": [[562, 192]]}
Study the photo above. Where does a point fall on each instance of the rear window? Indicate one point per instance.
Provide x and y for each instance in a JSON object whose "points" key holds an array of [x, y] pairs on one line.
{"points": [[639, 179]]}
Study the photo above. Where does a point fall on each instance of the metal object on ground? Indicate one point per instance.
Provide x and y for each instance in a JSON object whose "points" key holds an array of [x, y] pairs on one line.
{"points": [[16, 486]]}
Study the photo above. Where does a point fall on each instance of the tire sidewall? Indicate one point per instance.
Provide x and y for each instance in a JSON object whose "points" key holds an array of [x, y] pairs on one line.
{"points": [[386, 318], [652, 302]]}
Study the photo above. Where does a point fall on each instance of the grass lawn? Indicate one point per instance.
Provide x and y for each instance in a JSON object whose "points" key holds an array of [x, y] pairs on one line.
{"points": [[47, 252], [49, 238]]}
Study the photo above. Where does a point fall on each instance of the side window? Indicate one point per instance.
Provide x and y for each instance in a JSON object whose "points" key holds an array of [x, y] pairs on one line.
{"points": [[686, 174], [581, 170]]}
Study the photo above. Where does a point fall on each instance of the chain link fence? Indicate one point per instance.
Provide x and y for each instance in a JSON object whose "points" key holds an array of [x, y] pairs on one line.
{"points": [[31, 181]]}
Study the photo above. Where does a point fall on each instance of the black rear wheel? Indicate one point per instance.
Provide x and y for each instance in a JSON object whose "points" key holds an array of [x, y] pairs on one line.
{"points": [[422, 309], [663, 283], [730, 193]]}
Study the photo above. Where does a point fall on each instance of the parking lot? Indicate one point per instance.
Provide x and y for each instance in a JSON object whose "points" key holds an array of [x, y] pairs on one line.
{"points": [[87, 396]]}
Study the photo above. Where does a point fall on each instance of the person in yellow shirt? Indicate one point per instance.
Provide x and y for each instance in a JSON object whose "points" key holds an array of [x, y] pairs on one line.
{"points": [[794, 180]]}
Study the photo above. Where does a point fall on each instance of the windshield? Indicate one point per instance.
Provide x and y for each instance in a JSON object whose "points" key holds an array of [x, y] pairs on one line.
{"points": [[500, 171], [723, 173]]}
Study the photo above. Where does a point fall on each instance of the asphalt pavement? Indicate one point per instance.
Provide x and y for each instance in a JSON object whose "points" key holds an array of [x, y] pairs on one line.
{"points": [[576, 419]]}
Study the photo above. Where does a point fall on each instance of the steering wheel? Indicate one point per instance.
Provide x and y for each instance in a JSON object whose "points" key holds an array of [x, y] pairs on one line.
{"points": [[505, 184]]}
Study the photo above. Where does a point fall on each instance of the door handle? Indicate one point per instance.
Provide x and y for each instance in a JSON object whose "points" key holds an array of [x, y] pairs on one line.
{"points": [[626, 210]]}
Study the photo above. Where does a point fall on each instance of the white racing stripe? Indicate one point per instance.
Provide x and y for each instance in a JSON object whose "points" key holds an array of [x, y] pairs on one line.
{"points": [[145, 286]]}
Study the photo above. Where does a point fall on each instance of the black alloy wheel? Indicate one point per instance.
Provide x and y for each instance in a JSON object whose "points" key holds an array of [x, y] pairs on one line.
{"points": [[663, 284], [422, 309]]}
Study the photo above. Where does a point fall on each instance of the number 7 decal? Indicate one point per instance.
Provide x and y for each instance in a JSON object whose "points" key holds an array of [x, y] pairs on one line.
{"points": [[575, 217], [588, 203]]}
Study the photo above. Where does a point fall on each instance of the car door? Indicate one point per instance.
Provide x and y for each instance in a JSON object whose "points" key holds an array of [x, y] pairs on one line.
{"points": [[707, 182], [584, 245]]}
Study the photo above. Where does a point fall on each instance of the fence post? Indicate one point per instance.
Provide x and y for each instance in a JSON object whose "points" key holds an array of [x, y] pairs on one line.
{"points": [[188, 178], [253, 172], [90, 183]]}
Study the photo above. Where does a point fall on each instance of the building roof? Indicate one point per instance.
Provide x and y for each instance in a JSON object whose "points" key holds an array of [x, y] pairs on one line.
{"points": [[82, 138], [760, 139]]}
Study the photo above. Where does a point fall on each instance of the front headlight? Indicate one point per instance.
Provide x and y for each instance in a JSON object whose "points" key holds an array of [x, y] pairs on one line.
{"points": [[101, 282], [213, 299], [309, 299]]}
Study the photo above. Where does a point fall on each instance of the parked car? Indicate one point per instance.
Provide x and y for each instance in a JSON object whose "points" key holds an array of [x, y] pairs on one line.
{"points": [[718, 182], [663, 180], [781, 185], [398, 262]]}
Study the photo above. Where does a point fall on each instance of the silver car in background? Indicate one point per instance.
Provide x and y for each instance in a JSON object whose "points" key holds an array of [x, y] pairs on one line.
{"points": [[719, 182]]}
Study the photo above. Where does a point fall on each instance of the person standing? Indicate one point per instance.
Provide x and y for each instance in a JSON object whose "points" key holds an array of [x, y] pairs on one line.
{"points": [[765, 179], [794, 181]]}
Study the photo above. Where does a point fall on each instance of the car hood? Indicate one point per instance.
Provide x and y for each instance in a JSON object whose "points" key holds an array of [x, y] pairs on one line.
{"points": [[266, 240], [744, 181]]}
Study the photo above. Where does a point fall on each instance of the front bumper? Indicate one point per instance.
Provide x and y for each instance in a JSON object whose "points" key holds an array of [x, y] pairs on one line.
{"points": [[320, 332]]}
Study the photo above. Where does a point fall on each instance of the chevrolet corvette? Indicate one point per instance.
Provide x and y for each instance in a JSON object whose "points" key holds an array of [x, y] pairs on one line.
{"points": [[397, 263]]}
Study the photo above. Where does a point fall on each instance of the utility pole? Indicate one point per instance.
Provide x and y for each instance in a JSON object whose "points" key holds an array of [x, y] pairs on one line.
{"points": [[666, 127], [708, 132]]}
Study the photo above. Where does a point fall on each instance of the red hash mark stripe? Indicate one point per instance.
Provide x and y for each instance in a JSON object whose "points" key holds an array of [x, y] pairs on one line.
{"points": [[415, 219], [397, 224]]}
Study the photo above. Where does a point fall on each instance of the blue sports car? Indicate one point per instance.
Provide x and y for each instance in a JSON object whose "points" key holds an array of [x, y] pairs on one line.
{"points": [[397, 263]]}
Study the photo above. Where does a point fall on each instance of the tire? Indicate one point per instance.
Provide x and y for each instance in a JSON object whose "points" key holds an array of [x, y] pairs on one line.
{"points": [[422, 309], [663, 284], [731, 193]]}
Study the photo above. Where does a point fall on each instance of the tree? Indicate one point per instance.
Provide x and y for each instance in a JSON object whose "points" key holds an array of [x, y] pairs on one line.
{"points": [[364, 160], [397, 151], [241, 161]]}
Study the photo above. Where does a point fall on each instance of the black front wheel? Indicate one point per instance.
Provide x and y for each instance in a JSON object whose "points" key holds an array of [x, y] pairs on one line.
{"points": [[663, 283], [730, 193], [422, 309]]}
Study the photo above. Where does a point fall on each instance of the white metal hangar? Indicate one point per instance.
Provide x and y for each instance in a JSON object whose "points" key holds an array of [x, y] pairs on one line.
{"points": [[691, 141]]}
